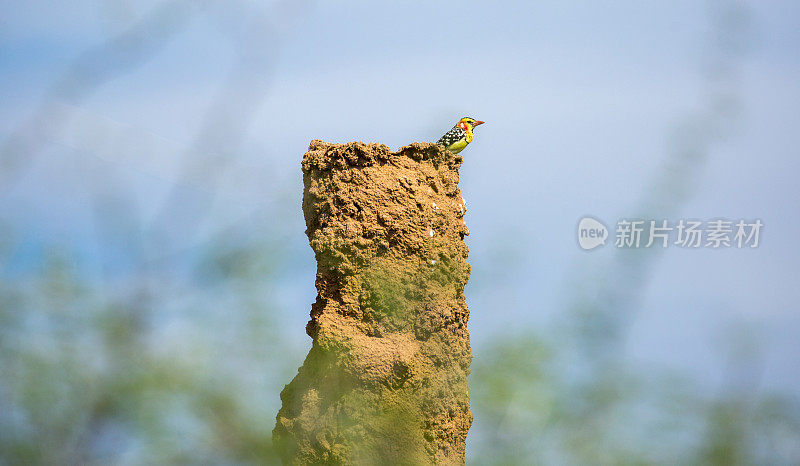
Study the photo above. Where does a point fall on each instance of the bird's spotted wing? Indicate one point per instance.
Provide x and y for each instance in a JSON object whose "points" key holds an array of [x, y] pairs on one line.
{"points": [[451, 137]]}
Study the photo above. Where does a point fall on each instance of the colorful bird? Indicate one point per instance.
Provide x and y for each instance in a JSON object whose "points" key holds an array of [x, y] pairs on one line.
{"points": [[457, 138]]}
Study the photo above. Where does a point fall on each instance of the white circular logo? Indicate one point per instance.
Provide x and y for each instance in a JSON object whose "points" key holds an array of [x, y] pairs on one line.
{"points": [[591, 233]]}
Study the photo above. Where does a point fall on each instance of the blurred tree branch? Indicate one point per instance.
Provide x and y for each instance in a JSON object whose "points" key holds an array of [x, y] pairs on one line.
{"points": [[119, 55]]}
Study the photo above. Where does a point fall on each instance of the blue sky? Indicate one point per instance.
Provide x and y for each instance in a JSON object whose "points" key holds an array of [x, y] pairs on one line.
{"points": [[581, 100]]}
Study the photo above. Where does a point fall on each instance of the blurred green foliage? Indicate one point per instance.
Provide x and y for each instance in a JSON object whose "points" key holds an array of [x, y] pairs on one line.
{"points": [[538, 405], [189, 374], [141, 374]]}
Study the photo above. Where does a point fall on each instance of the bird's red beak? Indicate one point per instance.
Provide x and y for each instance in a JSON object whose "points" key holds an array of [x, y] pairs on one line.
{"points": [[478, 122]]}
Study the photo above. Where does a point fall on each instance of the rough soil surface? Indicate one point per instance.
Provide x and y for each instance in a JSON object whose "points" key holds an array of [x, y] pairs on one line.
{"points": [[385, 381]]}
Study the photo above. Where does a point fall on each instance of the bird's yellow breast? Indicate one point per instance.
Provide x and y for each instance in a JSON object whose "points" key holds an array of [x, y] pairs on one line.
{"points": [[464, 132], [459, 145]]}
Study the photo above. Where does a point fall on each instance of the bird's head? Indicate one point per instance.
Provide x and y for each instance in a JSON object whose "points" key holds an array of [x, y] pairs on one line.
{"points": [[468, 123]]}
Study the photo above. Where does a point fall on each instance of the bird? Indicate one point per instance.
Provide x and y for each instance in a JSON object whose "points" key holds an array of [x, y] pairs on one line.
{"points": [[457, 138]]}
